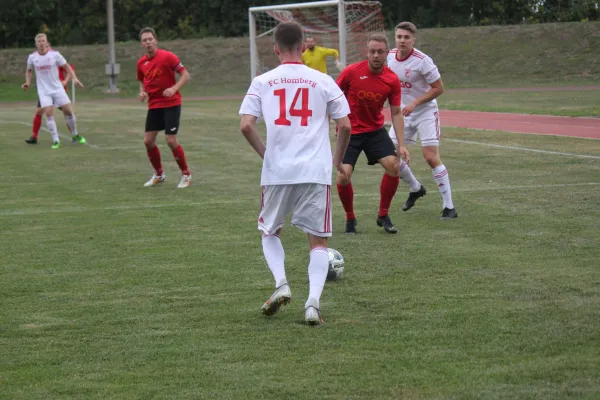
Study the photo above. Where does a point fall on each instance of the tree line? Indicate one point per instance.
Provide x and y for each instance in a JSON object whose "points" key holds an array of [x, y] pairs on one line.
{"points": [[73, 22]]}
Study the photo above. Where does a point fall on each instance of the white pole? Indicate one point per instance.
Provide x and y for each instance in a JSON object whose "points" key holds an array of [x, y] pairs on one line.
{"points": [[296, 5], [112, 85], [342, 31], [253, 50]]}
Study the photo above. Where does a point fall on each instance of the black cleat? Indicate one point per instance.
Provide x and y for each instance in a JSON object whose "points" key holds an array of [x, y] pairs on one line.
{"points": [[31, 140], [449, 213], [386, 222], [350, 227], [413, 197]]}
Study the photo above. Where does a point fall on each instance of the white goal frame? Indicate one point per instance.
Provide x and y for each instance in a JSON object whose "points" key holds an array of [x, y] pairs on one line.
{"points": [[342, 28]]}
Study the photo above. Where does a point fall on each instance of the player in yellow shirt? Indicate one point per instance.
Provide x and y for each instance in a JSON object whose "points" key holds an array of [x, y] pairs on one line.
{"points": [[315, 57]]}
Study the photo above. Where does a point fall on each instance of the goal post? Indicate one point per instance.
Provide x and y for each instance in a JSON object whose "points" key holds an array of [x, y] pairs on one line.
{"points": [[339, 24]]}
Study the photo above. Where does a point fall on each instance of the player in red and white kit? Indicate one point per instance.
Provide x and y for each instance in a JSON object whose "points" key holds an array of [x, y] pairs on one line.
{"points": [[156, 73], [51, 92], [421, 85], [295, 101], [368, 85]]}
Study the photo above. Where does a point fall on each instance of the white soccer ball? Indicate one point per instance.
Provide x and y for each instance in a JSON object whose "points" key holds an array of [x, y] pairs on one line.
{"points": [[336, 264]]}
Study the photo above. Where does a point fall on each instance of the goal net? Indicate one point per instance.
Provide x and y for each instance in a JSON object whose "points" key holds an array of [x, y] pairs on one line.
{"points": [[338, 24]]}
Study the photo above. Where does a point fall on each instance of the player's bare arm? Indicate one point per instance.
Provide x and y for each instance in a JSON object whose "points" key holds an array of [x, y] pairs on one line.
{"points": [[248, 128], [184, 77], [27, 83], [398, 124], [143, 95], [341, 143], [70, 71], [68, 77], [437, 88]]}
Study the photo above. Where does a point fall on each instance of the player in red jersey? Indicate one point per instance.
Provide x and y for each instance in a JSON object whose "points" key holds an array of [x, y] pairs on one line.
{"points": [[367, 85], [156, 73]]}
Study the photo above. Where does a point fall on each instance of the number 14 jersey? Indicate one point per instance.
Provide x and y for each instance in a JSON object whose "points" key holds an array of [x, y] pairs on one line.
{"points": [[295, 102]]}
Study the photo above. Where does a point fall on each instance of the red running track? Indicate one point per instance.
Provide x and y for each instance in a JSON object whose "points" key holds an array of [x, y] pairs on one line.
{"points": [[520, 123]]}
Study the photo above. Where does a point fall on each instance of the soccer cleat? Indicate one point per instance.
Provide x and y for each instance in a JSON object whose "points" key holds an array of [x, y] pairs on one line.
{"points": [[413, 197], [449, 213], [312, 314], [281, 296], [79, 139], [186, 181], [55, 145], [155, 180], [350, 227], [31, 140], [387, 224]]}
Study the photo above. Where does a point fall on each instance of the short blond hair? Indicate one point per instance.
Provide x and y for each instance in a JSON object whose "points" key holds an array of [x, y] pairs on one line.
{"points": [[40, 35], [407, 26], [378, 37]]}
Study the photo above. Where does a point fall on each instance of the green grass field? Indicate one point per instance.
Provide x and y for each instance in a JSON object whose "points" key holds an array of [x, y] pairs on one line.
{"points": [[112, 290]]}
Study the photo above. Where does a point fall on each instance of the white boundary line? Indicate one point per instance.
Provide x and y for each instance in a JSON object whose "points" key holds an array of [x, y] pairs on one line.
{"points": [[76, 209], [501, 189], [524, 133], [501, 146]]}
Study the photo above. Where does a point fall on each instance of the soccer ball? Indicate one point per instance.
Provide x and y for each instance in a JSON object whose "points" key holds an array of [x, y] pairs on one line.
{"points": [[336, 265]]}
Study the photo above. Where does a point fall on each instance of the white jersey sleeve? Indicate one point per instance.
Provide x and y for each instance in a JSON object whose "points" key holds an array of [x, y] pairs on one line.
{"points": [[30, 62], [429, 70], [337, 104], [59, 59], [252, 103]]}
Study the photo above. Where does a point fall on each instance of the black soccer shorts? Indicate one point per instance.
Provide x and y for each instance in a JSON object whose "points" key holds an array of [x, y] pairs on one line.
{"points": [[376, 145], [163, 119]]}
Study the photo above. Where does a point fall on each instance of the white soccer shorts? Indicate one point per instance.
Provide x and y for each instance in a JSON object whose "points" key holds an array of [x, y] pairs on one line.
{"points": [[426, 128], [309, 202], [56, 99]]}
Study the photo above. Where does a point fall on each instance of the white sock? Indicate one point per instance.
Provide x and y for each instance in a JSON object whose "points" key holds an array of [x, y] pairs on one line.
{"points": [[317, 272], [407, 176], [51, 124], [440, 175], [275, 256], [72, 125]]}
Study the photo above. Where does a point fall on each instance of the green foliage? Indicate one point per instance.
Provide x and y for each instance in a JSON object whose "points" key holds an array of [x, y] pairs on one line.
{"points": [[72, 22]]}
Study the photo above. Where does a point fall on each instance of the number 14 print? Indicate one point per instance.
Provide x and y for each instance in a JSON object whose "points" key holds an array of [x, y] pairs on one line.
{"points": [[302, 112]]}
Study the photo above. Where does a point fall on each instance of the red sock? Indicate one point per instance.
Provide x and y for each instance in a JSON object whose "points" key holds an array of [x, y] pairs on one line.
{"points": [[180, 158], [346, 193], [154, 157], [387, 190], [37, 124]]}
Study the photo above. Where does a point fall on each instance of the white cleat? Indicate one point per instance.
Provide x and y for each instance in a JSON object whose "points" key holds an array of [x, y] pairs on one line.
{"points": [[186, 181], [155, 180], [312, 314], [281, 296]]}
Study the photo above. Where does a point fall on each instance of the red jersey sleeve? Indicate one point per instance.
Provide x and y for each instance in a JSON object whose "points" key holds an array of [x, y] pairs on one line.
{"points": [[175, 63], [343, 80], [395, 97], [140, 75]]}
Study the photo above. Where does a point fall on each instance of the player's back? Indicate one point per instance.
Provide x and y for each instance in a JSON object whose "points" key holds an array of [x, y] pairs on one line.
{"points": [[294, 101]]}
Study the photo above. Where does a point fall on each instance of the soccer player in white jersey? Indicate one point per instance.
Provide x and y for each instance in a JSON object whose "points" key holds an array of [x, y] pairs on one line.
{"points": [[295, 101], [421, 84], [50, 89]]}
